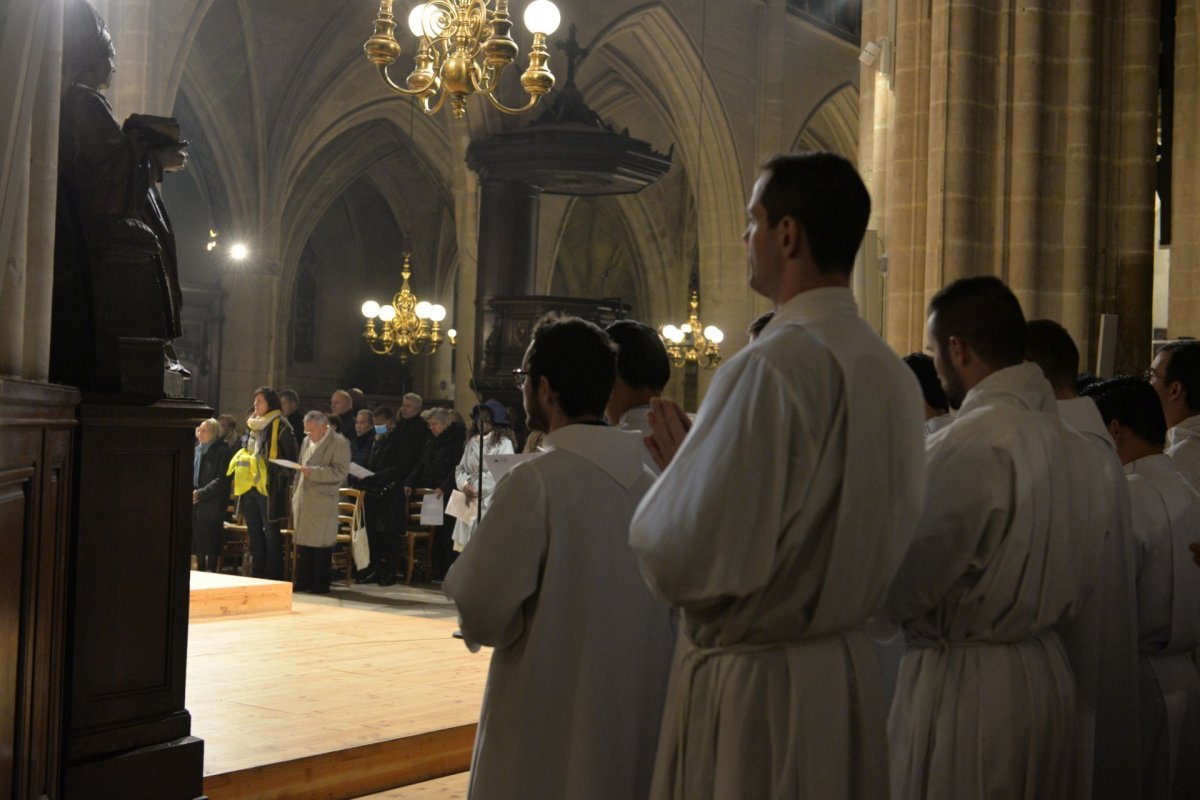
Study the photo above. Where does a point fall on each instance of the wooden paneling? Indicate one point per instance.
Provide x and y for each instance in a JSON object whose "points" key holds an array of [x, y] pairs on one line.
{"points": [[128, 730], [37, 423]]}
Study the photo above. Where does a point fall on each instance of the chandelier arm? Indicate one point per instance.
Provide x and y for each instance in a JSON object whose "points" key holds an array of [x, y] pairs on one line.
{"points": [[436, 107], [533, 101], [395, 87]]}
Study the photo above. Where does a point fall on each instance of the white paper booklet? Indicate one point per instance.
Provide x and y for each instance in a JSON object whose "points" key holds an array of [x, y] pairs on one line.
{"points": [[431, 510], [359, 471], [283, 462], [460, 507]]}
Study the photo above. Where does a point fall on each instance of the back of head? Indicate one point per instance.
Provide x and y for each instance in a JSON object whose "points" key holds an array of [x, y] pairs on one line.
{"points": [[579, 361], [825, 195], [1184, 367], [984, 314], [1133, 403], [642, 361], [383, 415], [1048, 345], [931, 388]]}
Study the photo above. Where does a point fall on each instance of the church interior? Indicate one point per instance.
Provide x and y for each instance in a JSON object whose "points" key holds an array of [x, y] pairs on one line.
{"points": [[1046, 144]]}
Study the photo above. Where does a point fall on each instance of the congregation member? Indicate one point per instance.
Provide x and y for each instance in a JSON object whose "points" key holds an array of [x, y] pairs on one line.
{"points": [[324, 460], [490, 434], [384, 503], [229, 432], [643, 369], [341, 406], [1166, 517], [1101, 641], [435, 470], [263, 487], [361, 441], [289, 404], [412, 432], [937, 410], [1175, 375], [358, 400], [210, 494], [1003, 553], [582, 650], [782, 517]]}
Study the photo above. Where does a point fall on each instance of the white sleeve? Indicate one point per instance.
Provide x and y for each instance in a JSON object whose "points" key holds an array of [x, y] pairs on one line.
{"points": [[495, 576]]}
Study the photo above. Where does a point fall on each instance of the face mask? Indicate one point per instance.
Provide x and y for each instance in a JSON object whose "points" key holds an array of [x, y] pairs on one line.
{"points": [[381, 429]]}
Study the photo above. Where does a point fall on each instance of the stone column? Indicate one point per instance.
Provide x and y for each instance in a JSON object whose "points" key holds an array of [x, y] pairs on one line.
{"points": [[1184, 306], [998, 155], [131, 39], [507, 266], [251, 334], [31, 54]]}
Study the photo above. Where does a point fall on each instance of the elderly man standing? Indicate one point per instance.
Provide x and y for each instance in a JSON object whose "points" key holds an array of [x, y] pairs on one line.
{"points": [[582, 649], [341, 405], [780, 546], [324, 461], [1004, 553]]}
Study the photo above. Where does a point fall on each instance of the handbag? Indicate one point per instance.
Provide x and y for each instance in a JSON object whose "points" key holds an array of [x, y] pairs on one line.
{"points": [[362, 550]]}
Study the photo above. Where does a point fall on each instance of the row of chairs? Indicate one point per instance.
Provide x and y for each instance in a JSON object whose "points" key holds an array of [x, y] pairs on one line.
{"points": [[351, 516]]}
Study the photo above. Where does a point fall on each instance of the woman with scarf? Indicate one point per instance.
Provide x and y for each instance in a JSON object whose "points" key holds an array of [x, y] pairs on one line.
{"points": [[210, 494], [263, 487]]}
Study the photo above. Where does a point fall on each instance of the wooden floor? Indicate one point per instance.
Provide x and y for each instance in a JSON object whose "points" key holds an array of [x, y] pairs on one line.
{"points": [[278, 688], [214, 594]]}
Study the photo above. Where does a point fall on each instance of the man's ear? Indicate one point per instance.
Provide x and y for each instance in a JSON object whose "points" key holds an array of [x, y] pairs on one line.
{"points": [[546, 395], [790, 234], [1175, 391], [959, 352], [1114, 430]]}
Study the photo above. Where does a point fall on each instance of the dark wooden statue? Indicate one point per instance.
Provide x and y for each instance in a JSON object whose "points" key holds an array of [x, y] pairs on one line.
{"points": [[116, 282]]}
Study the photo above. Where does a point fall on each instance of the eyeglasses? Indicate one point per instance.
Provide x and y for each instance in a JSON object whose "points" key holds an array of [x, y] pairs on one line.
{"points": [[1150, 375], [519, 377]]}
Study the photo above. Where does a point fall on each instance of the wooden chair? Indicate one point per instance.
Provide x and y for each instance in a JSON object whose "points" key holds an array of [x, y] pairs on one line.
{"points": [[350, 516], [415, 532], [235, 537]]}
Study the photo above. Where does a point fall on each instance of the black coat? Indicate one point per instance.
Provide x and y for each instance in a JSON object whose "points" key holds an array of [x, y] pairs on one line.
{"points": [[208, 515], [441, 455], [413, 434], [279, 479]]}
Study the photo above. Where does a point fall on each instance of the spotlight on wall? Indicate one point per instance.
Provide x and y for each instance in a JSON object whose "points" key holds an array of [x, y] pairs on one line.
{"points": [[239, 251]]}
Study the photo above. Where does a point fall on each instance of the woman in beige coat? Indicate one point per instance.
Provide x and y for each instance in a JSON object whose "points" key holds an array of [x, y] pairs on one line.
{"points": [[324, 461]]}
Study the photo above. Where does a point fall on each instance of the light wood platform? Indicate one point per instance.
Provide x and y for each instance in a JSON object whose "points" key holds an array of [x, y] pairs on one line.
{"points": [[392, 697], [452, 787], [216, 595]]}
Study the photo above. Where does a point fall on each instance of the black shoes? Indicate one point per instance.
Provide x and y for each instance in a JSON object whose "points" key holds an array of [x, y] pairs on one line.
{"points": [[367, 577]]}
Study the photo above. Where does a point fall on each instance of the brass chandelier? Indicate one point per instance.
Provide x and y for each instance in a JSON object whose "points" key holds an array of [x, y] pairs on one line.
{"points": [[407, 326], [452, 36], [691, 343]]}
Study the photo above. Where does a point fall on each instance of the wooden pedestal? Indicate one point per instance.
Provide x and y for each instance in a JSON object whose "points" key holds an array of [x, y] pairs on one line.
{"points": [[128, 734]]}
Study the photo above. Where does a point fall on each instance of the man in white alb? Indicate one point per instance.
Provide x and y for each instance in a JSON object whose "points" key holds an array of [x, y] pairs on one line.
{"points": [[782, 517], [582, 648], [1166, 517], [1002, 556], [643, 369], [1101, 640]]}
